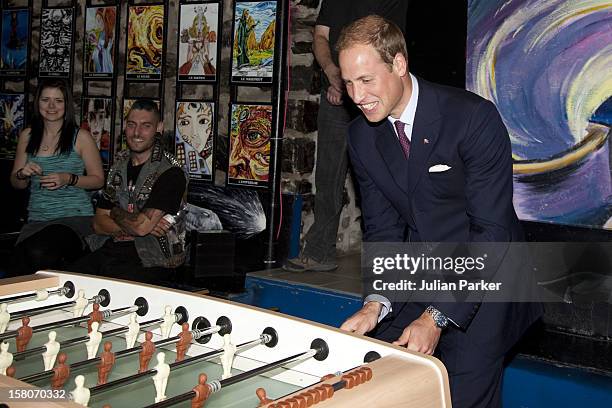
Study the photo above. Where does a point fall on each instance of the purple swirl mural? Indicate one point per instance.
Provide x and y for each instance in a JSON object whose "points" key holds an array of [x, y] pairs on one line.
{"points": [[547, 65]]}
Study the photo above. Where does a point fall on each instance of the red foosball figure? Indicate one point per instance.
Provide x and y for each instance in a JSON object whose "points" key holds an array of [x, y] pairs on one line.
{"points": [[107, 360], [263, 397], [148, 348], [202, 391], [10, 371], [24, 334], [95, 316], [61, 372], [184, 342]]}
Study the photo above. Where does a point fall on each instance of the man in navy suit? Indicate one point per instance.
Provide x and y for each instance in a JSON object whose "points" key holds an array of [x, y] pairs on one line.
{"points": [[433, 164]]}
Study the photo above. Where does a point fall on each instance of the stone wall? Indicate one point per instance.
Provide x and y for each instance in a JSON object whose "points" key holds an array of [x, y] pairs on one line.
{"points": [[299, 145]]}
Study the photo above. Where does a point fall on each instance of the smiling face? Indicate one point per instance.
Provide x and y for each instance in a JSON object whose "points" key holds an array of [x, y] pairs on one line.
{"points": [[52, 105], [140, 129], [377, 88]]}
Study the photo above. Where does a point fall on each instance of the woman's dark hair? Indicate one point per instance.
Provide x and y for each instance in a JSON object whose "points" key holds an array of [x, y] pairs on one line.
{"points": [[37, 125]]}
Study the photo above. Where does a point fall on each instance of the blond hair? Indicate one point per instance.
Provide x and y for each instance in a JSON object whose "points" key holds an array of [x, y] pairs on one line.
{"points": [[382, 34]]}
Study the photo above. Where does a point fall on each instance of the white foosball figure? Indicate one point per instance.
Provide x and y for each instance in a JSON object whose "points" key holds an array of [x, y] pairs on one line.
{"points": [[6, 358], [41, 294], [169, 320], [227, 359], [5, 317], [132, 333], [160, 379], [80, 394], [80, 304], [53, 348], [95, 337]]}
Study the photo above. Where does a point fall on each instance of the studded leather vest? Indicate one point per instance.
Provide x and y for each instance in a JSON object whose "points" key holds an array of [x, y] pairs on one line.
{"points": [[169, 250]]}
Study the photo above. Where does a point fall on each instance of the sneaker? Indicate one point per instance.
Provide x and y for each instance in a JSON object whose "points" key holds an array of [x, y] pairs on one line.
{"points": [[306, 264]]}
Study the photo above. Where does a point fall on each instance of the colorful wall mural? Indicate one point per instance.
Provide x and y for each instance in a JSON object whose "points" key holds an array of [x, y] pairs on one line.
{"points": [[547, 65]]}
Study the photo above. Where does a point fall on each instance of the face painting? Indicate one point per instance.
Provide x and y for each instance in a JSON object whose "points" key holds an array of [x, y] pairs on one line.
{"points": [[250, 155]]}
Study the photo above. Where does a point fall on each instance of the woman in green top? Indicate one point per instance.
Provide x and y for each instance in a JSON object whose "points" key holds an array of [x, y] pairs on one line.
{"points": [[58, 162]]}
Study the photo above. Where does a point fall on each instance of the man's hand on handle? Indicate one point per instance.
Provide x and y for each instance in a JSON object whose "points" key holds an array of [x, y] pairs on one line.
{"points": [[365, 320], [421, 335]]}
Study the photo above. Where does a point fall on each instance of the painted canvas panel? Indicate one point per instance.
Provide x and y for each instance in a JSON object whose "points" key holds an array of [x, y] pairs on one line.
{"points": [[127, 105], [194, 138], [249, 149], [197, 53], [56, 37], [547, 66], [253, 41], [12, 116], [145, 41], [99, 54], [15, 40], [96, 117]]}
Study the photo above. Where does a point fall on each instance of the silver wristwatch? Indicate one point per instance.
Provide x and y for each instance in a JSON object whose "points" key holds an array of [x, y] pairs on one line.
{"points": [[438, 317]]}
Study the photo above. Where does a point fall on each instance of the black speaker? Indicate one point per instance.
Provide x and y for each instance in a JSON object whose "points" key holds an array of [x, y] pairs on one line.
{"points": [[211, 260]]}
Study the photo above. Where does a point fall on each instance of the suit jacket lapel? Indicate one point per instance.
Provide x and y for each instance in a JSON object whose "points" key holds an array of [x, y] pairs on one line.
{"points": [[425, 132], [391, 151]]}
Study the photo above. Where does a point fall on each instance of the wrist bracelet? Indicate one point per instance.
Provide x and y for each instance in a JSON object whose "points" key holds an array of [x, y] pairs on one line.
{"points": [[73, 180], [19, 175]]}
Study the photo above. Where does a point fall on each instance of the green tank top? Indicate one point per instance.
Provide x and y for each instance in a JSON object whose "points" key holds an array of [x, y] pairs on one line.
{"points": [[67, 201]]}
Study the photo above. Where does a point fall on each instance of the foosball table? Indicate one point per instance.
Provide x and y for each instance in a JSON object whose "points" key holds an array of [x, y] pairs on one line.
{"points": [[70, 340]]}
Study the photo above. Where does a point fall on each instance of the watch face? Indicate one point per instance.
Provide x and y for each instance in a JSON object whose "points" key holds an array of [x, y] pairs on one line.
{"points": [[441, 321]]}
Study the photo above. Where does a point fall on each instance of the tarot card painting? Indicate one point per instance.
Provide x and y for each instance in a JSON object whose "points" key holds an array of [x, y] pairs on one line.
{"points": [[96, 117], [145, 41], [12, 117], [197, 53], [194, 137], [56, 38], [99, 54], [557, 106], [15, 40], [249, 147], [253, 41], [127, 105]]}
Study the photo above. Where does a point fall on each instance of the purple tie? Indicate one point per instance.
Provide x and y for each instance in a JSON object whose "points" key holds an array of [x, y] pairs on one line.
{"points": [[403, 139]]}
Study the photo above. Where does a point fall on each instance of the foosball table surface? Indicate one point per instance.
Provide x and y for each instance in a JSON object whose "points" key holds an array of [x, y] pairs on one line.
{"points": [[399, 377]]}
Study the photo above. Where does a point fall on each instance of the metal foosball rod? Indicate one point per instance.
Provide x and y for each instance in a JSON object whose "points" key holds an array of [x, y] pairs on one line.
{"points": [[41, 294], [102, 298], [83, 339], [268, 338], [179, 316], [197, 334], [318, 349], [140, 306]]}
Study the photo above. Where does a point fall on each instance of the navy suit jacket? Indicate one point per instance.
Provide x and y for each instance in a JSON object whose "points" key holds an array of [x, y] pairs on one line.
{"points": [[471, 202]]}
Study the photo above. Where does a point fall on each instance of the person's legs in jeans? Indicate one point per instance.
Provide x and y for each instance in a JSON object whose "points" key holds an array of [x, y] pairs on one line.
{"points": [[319, 251]]}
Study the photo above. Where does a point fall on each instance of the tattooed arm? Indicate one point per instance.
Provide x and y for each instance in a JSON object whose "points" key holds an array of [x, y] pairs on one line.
{"points": [[165, 198], [137, 223], [103, 224], [130, 223]]}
